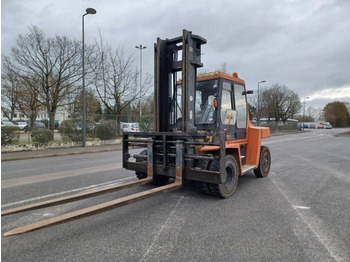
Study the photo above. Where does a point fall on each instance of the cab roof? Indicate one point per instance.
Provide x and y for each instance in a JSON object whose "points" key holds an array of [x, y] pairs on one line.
{"points": [[216, 75]]}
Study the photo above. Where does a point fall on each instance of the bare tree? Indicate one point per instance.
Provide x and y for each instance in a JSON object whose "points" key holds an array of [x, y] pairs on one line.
{"points": [[116, 80], [279, 102], [223, 68], [9, 88], [19, 92], [54, 62], [311, 112], [28, 98]]}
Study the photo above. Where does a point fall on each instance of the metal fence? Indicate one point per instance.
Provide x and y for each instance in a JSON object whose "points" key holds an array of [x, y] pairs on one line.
{"points": [[103, 127], [281, 126], [111, 127]]}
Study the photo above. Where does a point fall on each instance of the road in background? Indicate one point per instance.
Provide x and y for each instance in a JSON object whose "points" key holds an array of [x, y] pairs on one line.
{"points": [[300, 212]]}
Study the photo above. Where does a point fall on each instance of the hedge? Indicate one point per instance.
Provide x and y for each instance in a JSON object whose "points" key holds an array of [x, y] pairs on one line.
{"points": [[9, 134], [106, 130], [42, 136], [72, 129]]}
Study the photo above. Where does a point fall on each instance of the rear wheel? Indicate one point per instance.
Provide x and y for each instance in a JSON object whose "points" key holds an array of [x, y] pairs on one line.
{"points": [[264, 163], [160, 180], [227, 188], [141, 175]]}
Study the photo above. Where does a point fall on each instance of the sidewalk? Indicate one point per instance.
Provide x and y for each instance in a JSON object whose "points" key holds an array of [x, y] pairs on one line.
{"points": [[11, 156]]}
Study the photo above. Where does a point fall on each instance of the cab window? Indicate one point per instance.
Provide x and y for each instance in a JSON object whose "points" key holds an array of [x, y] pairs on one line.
{"points": [[226, 100], [241, 106]]}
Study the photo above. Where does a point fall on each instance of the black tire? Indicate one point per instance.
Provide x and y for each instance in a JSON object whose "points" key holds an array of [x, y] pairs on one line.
{"points": [[264, 163], [157, 180], [226, 189], [160, 180], [141, 175], [203, 186]]}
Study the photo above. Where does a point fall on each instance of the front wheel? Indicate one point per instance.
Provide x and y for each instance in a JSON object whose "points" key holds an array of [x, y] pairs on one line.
{"points": [[264, 163], [157, 179], [227, 188]]}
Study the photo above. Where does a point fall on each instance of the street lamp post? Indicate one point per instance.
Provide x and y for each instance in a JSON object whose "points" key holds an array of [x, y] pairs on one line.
{"points": [[258, 111], [89, 11], [140, 47], [304, 111]]}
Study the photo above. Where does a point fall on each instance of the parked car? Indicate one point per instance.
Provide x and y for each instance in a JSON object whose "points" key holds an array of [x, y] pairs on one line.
{"points": [[21, 125], [328, 126], [7, 123], [129, 127], [37, 125], [312, 126], [56, 124]]}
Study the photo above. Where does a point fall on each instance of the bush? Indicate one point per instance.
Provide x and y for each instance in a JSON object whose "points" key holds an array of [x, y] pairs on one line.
{"points": [[106, 130], [9, 134], [72, 129], [42, 136]]}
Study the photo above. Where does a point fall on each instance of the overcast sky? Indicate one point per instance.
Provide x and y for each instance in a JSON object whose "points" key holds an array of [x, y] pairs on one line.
{"points": [[304, 44]]}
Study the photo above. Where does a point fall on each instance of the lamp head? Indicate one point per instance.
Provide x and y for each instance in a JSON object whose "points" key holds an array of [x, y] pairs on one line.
{"points": [[90, 11]]}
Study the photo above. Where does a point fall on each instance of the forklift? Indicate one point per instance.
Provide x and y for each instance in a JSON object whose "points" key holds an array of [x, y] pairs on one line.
{"points": [[202, 132]]}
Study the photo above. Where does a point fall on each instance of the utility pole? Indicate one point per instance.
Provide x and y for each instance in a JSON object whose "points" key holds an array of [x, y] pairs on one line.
{"points": [[258, 107], [90, 11], [304, 111], [140, 47]]}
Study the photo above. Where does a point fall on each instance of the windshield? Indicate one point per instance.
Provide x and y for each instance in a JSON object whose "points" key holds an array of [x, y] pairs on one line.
{"points": [[206, 91]]}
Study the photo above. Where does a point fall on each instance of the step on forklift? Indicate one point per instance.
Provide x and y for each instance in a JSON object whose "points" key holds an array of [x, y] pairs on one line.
{"points": [[202, 132]]}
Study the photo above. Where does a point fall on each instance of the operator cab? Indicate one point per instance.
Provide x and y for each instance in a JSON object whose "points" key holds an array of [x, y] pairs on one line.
{"points": [[217, 94]]}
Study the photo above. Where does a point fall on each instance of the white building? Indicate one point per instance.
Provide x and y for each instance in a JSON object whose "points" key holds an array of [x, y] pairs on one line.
{"points": [[42, 115]]}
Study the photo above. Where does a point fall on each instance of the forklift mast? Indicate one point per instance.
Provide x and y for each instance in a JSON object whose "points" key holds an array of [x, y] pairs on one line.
{"points": [[166, 92]]}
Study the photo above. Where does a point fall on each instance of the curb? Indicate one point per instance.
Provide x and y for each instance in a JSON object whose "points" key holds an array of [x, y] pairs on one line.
{"points": [[60, 154]]}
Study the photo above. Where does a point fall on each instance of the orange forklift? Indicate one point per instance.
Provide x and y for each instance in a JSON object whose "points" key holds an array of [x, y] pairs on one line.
{"points": [[202, 133], [202, 130]]}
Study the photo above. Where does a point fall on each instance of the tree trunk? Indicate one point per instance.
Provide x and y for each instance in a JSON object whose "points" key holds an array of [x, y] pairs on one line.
{"points": [[52, 120], [32, 119]]}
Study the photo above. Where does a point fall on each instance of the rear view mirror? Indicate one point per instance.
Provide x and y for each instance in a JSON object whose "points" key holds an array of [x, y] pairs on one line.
{"points": [[248, 92], [230, 117]]}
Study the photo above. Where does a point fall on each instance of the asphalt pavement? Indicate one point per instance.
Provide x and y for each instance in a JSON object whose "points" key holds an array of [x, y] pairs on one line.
{"points": [[300, 212]]}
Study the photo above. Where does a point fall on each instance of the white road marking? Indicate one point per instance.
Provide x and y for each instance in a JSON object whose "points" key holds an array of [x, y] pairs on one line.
{"points": [[301, 207], [171, 227], [318, 228], [48, 214], [284, 140], [309, 139], [66, 192], [57, 175]]}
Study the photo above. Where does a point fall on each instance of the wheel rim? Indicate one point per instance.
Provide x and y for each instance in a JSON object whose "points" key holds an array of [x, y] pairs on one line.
{"points": [[266, 162]]}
